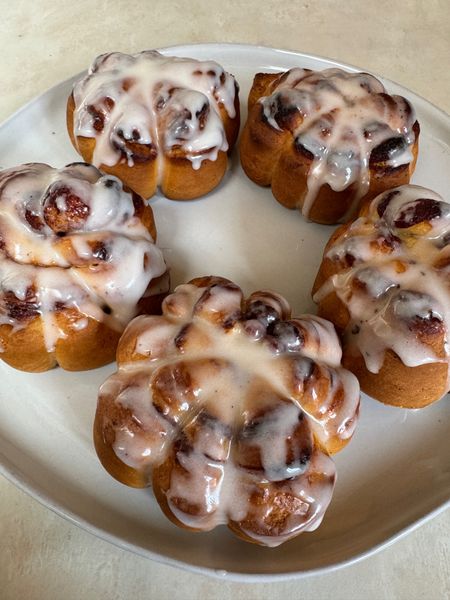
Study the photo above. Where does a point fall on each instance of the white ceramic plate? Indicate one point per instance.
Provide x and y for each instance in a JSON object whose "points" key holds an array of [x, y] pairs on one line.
{"points": [[395, 473]]}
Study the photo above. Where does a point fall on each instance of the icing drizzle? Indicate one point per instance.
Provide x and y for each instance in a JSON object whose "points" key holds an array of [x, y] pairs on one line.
{"points": [[394, 277], [70, 239], [158, 103], [237, 398], [343, 121]]}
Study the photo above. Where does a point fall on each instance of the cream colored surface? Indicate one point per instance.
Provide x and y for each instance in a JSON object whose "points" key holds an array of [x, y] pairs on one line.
{"points": [[43, 42]]}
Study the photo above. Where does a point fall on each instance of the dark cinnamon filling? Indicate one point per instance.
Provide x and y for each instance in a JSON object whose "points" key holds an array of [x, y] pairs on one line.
{"points": [[422, 209]]}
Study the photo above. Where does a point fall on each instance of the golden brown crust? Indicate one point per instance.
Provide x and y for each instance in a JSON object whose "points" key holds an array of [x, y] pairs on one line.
{"points": [[141, 177], [104, 436], [25, 349], [181, 182], [87, 348], [260, 87], [261, 147], [161, 484], [395, 382]]}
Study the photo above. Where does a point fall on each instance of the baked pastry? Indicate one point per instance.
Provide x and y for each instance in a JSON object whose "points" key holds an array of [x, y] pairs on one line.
{"points": [[77, 263], [154, 120], [385, 283], [325, 141], [230, 409]]}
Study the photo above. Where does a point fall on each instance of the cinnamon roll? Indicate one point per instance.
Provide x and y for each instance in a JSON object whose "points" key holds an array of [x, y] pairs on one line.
{"points": [[385, 283], [325, 141], [230, 409], [156, 121], [77, 262]]}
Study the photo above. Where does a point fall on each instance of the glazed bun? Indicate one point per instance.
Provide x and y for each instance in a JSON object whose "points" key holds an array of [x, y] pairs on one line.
{"points": [[325, 141], [230, 409], [77, 262], [385, 283], [156, 121]]}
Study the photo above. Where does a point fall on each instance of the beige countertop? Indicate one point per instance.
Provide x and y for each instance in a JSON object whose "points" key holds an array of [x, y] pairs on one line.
{"points": [[43, 42]]}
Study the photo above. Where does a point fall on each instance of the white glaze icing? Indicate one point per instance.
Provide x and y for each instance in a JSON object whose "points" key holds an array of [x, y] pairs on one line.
{"points": [[399, 278], [129, 444], [344, 117], [232, 397], [70, 238], [168, 103]]}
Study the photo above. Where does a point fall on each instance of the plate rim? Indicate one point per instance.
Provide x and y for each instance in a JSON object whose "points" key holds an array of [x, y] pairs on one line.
{"points": [[245, 47], [25, 483], [21, 481]]}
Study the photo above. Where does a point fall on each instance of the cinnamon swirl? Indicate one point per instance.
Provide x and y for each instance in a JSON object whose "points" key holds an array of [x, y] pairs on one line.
{"points": [[156, 121], [231, 409], [385, 283], [325, 141], [77, 262]]}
